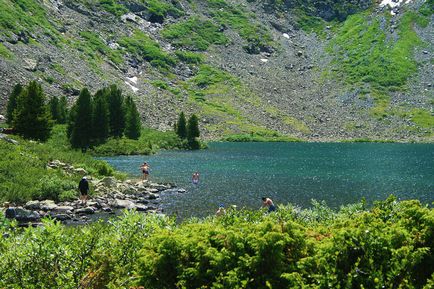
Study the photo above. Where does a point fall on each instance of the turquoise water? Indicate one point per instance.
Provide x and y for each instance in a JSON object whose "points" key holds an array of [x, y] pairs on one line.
{"points": [[240, 173]]}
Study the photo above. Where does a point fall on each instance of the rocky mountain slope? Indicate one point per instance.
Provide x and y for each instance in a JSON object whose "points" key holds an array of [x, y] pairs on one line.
{"points": [[315, 70]]}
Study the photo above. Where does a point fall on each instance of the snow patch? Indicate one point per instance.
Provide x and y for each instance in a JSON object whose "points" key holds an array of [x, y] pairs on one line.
{"points": [[285, 35], [394, 4], [135, 89], [132, 79], [264, 60]]}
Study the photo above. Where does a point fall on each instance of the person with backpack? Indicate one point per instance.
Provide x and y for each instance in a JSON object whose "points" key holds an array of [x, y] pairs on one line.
{"points": [[83, 187]]}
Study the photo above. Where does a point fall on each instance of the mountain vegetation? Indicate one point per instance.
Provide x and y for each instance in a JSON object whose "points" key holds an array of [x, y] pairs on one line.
{"points": [[310, 70]]}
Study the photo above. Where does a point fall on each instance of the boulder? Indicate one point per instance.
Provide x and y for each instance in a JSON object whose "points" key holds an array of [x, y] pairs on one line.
{"points": [[7, 139], [141, 208], [108, 182], [48, 205], [33, 205], [23, 215], [30, 64], [80, 171], [152, 196], [94, 204], [64, 209], [60, 217], [123, 204], [87, 210]]}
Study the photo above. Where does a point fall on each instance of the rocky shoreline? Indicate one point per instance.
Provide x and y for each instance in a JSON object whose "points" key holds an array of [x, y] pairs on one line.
{"points": [[111, 195]]}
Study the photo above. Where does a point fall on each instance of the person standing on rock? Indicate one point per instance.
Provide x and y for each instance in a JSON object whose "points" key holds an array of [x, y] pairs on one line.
{"points": [[83, 186], [145, 170]]}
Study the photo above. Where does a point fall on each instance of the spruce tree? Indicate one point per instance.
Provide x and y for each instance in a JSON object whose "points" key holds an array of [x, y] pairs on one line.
{"points": [[80, 133], [54, 108], [116, 112], [63, 110], [193, 132], [31, 118], [133, 125], [12, 103], [100, 116], [181, 127]]}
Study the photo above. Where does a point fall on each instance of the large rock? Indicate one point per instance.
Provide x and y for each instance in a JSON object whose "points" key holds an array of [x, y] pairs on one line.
{"points": [[141, 208], [33, 205], [108, 182], [87, 210], [22, 215], [30, 64], [123, 204], [7, 139], [64, 209], [48, 205]]}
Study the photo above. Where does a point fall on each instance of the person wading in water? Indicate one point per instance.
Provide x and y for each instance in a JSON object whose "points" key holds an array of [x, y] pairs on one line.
{"points": [[267, 202], [145, 170]]}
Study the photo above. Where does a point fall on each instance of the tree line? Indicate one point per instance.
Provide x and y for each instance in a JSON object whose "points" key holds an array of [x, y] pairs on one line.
{"points": [[93, 119], [90, 121]]}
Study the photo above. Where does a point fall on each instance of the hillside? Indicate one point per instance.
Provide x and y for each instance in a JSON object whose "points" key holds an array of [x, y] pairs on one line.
{"points": [[315, 70]]}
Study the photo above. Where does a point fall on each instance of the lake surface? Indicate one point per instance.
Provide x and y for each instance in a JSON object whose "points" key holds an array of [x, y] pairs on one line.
{"points": [[240, 173]]}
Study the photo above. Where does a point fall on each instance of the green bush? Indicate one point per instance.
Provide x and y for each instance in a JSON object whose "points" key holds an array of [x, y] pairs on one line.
{"points": [[189, 57], [195, 34], [386, 246], [141, 45]]}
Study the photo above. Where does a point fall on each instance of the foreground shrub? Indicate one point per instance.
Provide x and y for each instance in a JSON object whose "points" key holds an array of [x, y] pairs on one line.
{"points": [[387, 246]]}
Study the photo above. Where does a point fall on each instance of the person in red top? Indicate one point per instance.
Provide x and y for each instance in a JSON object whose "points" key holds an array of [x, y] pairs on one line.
{"points": [[267, 202]]}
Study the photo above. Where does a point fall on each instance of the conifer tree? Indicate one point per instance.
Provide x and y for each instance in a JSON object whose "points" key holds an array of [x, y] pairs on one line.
{"points": [[80, 133], [63, 110], [12, 103], [133, 125], [193, 132], [100, 116], [31, 118], [116, 112], [181, 126], [54, 108]]}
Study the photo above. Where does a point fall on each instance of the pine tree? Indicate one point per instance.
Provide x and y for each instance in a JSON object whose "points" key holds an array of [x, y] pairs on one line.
{"points": [[193, 132], [133, 125], [80, 133], [12, 103], [31, 118], [100, 116], [116, 112], [63, 110], [54, 108], [181, 127]]}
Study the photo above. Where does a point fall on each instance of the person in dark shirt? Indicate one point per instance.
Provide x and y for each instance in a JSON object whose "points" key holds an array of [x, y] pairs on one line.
{"points": [[10, 213], [83, 186]]}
